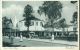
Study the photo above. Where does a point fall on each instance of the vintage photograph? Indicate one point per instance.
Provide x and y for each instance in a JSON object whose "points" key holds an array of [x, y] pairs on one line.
{"points": [[39, 23]]}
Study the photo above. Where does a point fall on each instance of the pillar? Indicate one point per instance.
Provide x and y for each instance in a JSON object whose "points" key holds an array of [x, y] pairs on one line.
{"points": [[44, 34], [16, 34]]}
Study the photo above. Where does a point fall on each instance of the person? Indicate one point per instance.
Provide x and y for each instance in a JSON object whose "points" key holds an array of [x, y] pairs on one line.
{"points": [[52, 37], [21, 38], [12, 39]]}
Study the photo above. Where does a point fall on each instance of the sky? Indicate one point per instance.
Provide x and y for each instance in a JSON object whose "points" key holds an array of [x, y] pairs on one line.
{"points": [[15, 10]]}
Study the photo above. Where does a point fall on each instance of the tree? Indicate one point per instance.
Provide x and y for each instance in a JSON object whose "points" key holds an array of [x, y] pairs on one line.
{"points": [[27, 14], [74, 18], [73, 2], [52, 9], [74, 21], [6, 23], [62, 24], [74, 14], [28, 10]]}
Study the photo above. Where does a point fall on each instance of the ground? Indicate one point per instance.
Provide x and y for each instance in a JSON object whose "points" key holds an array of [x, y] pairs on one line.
{"points": [[37, 43]]}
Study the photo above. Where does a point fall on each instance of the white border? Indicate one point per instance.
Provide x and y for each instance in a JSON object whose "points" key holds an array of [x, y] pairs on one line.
{"points": [[39, 0], [0, 24], [35, 48]]}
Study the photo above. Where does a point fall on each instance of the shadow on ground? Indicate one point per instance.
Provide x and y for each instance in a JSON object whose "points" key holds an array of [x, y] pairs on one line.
{"points": [[6, 44]]}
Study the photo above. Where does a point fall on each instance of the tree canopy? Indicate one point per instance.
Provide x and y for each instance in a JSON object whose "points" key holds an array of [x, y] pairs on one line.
{"points": [[73, 2], [74, 17], [52, 9], [6, 23], [28, 10], [28, 14]]}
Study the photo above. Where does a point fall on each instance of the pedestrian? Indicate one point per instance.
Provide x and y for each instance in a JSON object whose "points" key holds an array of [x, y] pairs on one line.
{"points": [[9, 35], [21, 38], [52, 37], [12, 39]]}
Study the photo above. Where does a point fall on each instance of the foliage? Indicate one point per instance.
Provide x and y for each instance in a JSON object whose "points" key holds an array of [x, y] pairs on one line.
{"points": [[28, 10], [52, 9], [6, 23], [62, 23], [73, 2], [74, 17]]}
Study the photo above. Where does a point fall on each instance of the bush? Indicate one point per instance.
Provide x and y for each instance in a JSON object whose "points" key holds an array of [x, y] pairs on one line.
{"points": [[60, 38], [45, 37], [6, 44], [73, 37]]}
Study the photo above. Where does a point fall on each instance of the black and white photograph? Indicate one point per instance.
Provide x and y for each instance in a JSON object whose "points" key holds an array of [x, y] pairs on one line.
{"points": [[39, 23]]}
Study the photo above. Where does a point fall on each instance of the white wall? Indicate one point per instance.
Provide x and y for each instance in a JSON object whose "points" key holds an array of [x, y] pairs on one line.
{"points": [[22, 27]]}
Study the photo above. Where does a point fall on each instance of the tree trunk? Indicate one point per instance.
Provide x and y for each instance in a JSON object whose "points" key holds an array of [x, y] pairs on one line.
{"points": [[52, 29], [10, 34], [67, 31], [52, 26], [28, 31], [63, 29]]}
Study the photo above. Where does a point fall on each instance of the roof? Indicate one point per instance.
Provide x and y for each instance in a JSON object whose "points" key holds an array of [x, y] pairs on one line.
{"points": [[34, 18]]}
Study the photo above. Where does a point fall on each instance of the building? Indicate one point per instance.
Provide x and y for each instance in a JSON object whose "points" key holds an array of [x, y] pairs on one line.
{"points": [[36, 26], [38, 30]]}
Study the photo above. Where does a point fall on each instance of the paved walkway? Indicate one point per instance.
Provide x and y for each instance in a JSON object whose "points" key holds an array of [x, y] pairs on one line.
{"points": [[71, 43]]}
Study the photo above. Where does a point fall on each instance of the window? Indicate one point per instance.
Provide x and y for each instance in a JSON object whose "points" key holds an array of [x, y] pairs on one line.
{"points": [[41, 24], [32, 23]]}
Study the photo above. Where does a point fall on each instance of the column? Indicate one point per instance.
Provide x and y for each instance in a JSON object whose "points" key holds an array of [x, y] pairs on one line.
{"points": [[44, 34]]}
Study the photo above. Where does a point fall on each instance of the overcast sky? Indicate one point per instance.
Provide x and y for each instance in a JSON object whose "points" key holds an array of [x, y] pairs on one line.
{"points": [[15, 9]]}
